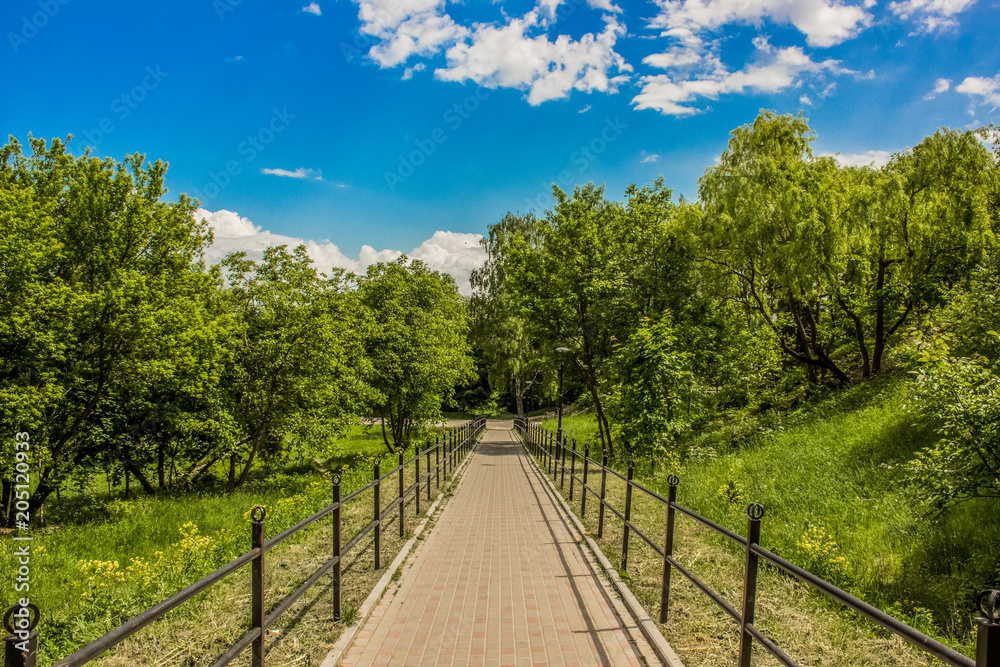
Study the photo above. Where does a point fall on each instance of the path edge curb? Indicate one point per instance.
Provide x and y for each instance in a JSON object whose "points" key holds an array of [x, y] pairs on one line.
{"points": [[350, 633], [646, 625]]}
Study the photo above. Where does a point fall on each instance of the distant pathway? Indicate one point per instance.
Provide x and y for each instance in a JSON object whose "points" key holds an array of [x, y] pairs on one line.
{"points": [[500, 580]]}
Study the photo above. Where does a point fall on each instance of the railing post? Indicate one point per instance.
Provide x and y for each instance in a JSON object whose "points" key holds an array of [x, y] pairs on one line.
{"points": [[583, 491], [551, 447], [416, 481], [336, 547], [21, 642], [402, 500], [428, 470], [755, 512], [988, 630], [668, 548], [572, 469], [628, 513], [562, 463], [437, 461], [604, 486], [257, 539], [378, 520]]}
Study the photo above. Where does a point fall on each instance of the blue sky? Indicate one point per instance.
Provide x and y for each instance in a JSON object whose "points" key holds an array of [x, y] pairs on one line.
{"points": [[370, 127]]}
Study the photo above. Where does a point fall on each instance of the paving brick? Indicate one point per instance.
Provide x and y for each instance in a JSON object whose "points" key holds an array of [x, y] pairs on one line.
{"points": [[500, 580]]}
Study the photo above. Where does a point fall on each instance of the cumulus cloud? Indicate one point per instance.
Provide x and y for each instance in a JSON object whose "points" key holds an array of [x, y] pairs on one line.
{"points": [[454, 253], [648, 157], [405, 28], [931, 15], [804, 100], [981, 91], [775, 69], [873, 158], [940, 86], [301, 172], [313, 8], [508, 56], [823, 22]]}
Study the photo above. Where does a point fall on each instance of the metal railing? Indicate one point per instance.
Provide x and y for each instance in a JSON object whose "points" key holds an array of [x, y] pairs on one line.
{"points": [[21, 644], [551, 454]]}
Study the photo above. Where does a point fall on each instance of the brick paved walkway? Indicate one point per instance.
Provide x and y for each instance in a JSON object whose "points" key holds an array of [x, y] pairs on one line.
{"points": [[500, 580]]}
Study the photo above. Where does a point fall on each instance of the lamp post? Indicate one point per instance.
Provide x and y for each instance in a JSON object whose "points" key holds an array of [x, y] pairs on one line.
{"points": [[562, 362]]}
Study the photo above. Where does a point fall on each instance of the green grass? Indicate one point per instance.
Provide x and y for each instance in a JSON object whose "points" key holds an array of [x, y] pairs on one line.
{"points": [[838, 503], [92, 527]]}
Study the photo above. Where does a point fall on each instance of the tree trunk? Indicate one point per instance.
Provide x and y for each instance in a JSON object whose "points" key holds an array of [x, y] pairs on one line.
{"points": [[160, 471], [8, 488], [249, 464], [130, 466], [232, 472], [519, 395]]}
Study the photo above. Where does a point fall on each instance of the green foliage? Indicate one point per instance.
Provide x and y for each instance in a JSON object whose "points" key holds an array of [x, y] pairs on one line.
{"points": [[298, 364], [418, 345], [652, 378], [961, 395]]}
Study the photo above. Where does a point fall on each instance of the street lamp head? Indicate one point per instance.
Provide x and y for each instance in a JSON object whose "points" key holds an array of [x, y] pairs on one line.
{"points": [[562, 350]]}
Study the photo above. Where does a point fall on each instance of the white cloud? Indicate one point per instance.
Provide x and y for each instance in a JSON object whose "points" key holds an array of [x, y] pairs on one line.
{"points": [[454, 253], [940, 86], [301, 172], [408, 72], [874, 158], [648, 157], [823, 22], [313, 8], [931, 15], [585, 109], [981, 91], [775, 70], [804, 100], [506, 56], [405, 28]]}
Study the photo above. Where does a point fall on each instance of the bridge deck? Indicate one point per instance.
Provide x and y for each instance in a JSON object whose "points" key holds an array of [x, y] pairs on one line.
{"points": [[500, 580]]}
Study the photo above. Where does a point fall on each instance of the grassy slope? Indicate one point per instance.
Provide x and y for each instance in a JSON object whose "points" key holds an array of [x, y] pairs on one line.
{"points": [[837, 505]]}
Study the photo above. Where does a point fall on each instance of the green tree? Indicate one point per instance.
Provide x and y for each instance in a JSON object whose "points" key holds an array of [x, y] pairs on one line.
{"points": [[95, 267], [297, 368], [499, 328], [912, 229], [767, 223], [652, 378], [962, 396], [418, 345]]}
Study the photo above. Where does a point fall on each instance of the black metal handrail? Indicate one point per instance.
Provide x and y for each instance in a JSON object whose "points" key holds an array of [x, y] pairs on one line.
{"points": [[551, 454], [21, 644]]}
